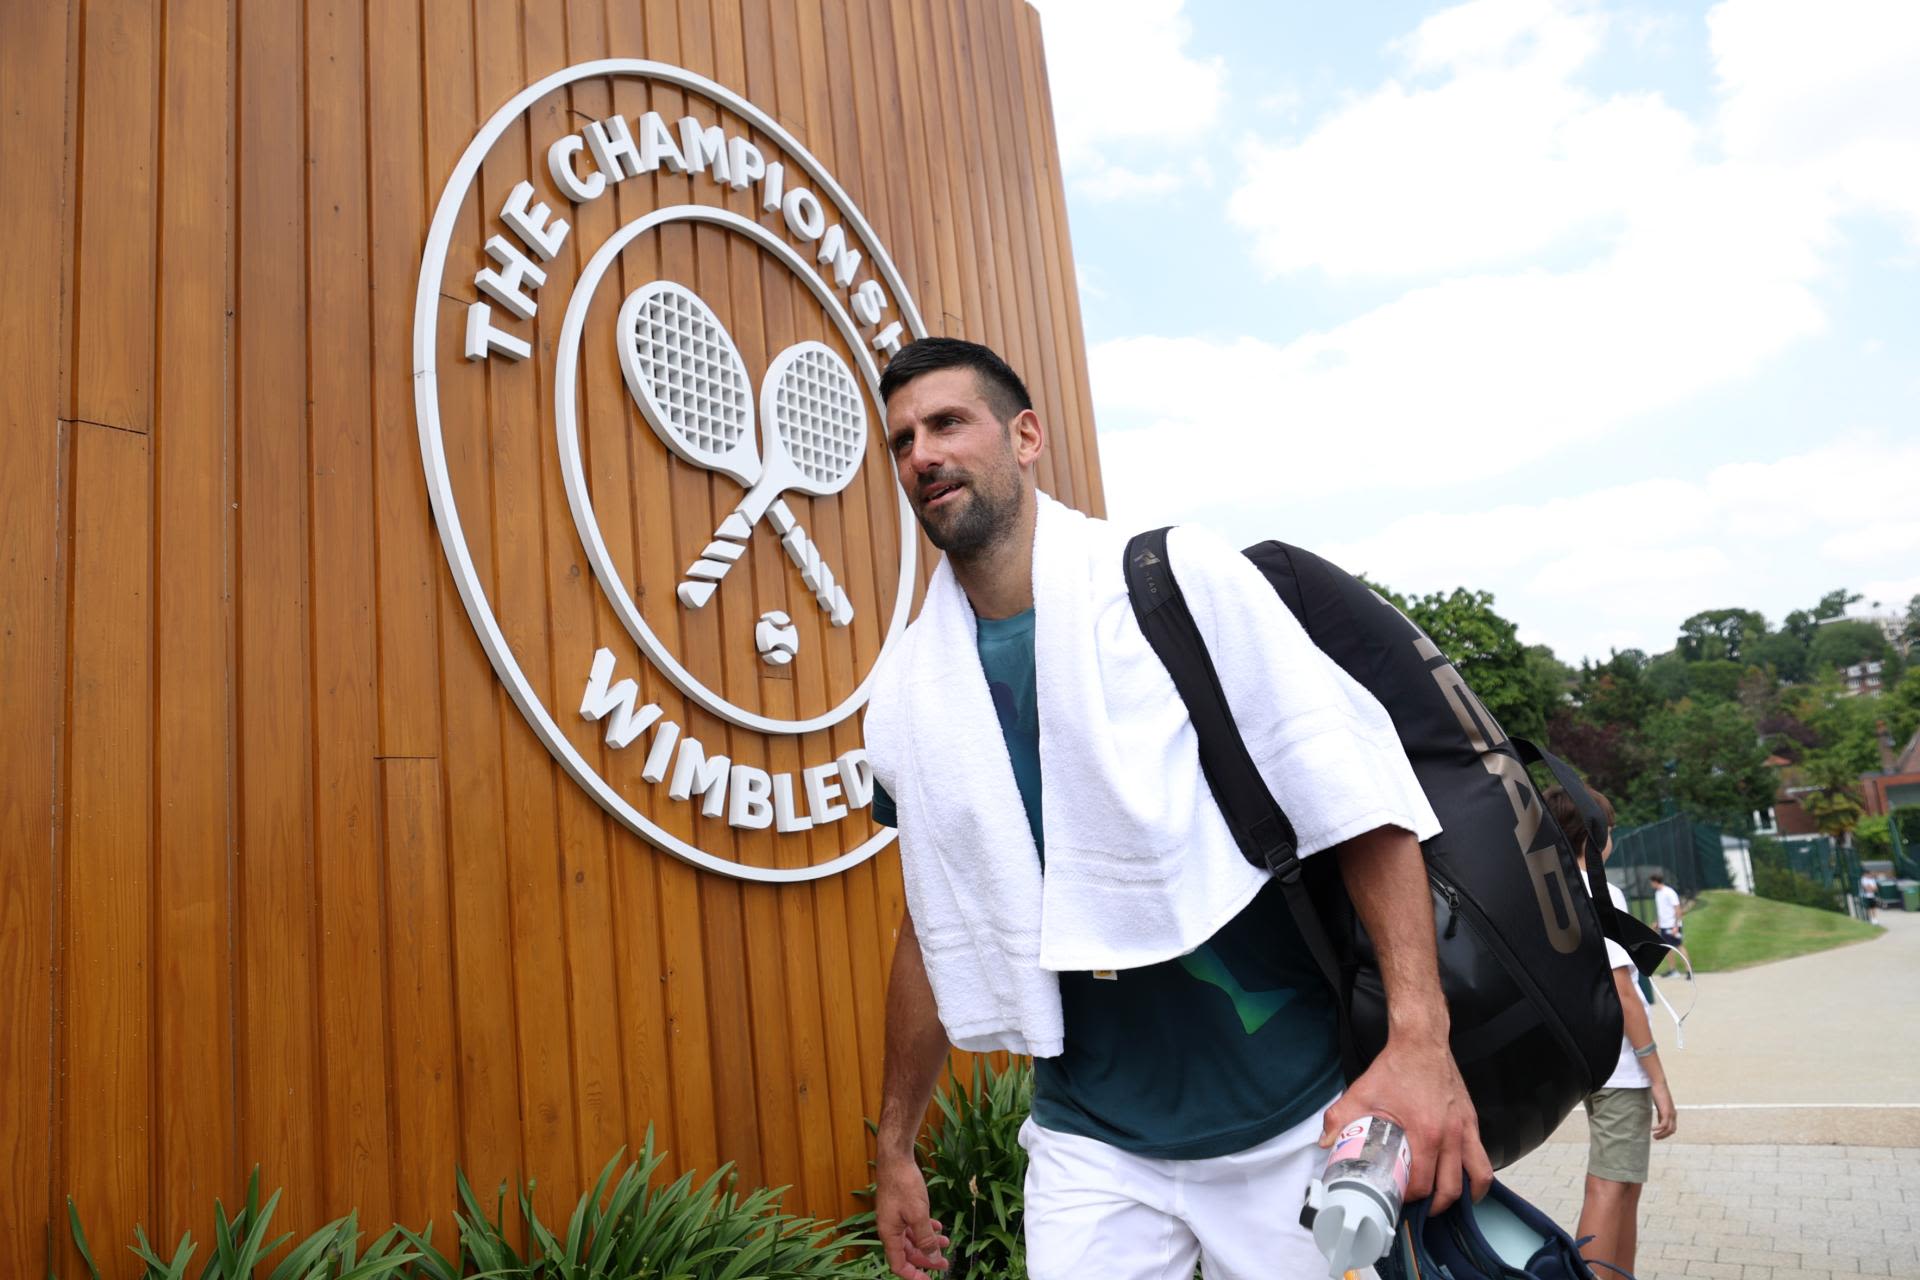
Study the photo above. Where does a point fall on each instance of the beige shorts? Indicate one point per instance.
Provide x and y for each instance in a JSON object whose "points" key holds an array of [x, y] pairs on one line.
{"points": [[1619, 1133]]}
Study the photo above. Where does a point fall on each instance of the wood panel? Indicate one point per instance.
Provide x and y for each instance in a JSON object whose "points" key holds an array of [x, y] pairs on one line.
{"points": [[193, 740], [34, 87], [301, 887]]}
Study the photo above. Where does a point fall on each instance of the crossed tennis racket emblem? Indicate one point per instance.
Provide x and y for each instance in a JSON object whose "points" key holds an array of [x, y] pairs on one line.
{"points": [[687, 376]]}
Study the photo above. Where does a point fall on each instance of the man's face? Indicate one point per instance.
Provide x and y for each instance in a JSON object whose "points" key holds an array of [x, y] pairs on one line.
{"points": [[955, 459]]}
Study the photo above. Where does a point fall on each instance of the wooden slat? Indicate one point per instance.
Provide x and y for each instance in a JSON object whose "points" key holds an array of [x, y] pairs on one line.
{"points": [[278, 1060], [491, 1147], [587, 888], [348, 876], [646, 1071], [1065, 288], [112, 367], [193, 730], [33, 101], [515, 396], [107, 988], [423, 1062], [407, 551]]}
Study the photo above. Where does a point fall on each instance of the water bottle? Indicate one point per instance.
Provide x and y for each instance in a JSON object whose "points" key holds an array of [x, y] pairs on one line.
{"points": [[1354, 1205]]}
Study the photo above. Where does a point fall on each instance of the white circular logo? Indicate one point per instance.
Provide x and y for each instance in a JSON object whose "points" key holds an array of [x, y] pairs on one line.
{"points": [[746, 304]]}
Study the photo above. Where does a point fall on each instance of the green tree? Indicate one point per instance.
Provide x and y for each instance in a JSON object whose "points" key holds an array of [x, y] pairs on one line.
{"points": [[1615, 692], [1844, 642], [1902, 707], [1715, 678], [1520, 688], [1670, 677], [1910, 633], [1832, 802], [1712, 761], [1846, 726], [1784, 651], [1720, 633]]}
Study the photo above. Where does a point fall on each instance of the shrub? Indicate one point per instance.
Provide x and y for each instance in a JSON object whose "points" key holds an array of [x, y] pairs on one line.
{"points": [[625, 1228], [1775, 877]]}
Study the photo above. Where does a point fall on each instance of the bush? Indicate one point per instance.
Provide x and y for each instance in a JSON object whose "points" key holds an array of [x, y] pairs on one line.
{"points": [[1774, 877], [623, 1228]]}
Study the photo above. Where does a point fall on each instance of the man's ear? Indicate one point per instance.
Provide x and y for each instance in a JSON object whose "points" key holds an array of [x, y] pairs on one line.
{"points": [[1029, 437]]}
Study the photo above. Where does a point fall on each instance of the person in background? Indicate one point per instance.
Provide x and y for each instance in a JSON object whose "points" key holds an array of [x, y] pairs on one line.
{"points": [[1869, 896], [1634, 1106], [1668, 913]]}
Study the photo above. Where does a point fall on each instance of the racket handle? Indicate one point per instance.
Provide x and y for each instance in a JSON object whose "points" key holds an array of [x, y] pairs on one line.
{"points": [[828, 594], [703, 576], [729, 543]]}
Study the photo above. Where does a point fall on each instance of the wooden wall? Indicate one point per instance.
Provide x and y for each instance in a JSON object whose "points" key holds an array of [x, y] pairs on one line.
{"points": [[285, 877]]}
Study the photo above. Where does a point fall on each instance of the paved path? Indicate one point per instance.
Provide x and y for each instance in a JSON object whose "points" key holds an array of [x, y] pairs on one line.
{"points": [[1790, 1164]]}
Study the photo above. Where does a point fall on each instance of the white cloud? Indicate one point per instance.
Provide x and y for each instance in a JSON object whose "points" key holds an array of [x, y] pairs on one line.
{"points": [[1831, 90], [1623, 566], [1100, 55], [1107, 182]]}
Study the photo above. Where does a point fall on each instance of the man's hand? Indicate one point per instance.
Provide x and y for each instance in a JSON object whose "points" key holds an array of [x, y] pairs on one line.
{"points": [[910, 1236], [1665, 1118], [1415, 1083]]}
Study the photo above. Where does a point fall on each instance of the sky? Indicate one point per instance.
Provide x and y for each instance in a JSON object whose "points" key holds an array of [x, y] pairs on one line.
{"points": [[1612, 310]]}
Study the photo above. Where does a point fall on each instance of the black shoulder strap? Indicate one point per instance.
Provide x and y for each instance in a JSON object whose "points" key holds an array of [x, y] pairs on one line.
{"points": [[1260, 827]]}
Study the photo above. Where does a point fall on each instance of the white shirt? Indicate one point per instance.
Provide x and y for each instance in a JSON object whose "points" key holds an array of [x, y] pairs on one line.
{"points": [[1869, 886], [1627, 1073], [1667, 903]]}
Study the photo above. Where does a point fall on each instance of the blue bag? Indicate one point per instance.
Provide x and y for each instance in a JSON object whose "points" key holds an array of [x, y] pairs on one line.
{"points": [[1501, 1238]]}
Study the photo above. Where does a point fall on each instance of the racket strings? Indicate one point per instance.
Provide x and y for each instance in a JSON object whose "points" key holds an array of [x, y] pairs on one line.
{"points": [[818, 412], [692, 372]]}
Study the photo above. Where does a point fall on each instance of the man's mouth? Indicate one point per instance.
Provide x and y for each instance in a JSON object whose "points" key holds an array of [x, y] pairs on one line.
{"points": [[935, 494]]}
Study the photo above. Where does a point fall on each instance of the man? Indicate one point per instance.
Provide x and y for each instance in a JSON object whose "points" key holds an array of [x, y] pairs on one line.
{"points": [[1869, 896], [1634, 1107], [1184, 1090], [1668, 912]]}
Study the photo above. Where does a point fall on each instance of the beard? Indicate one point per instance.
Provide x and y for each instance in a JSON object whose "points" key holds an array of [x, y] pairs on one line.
{"points": [[986, 514]]}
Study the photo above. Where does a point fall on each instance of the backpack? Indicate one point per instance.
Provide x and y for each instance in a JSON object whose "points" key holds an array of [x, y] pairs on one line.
{"points": [[1534, 1014]]}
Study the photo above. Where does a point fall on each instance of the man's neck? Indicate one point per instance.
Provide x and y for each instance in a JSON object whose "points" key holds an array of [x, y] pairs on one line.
{"points": [[998, 579]]}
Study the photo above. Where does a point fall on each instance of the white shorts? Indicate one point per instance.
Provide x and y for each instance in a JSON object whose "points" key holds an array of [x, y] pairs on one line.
{"points": [[1095, 1210]]}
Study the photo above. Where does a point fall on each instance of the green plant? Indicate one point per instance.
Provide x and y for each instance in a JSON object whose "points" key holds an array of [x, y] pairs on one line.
{"points": [[331, 1253], [977, 1170], [624, 1228]]}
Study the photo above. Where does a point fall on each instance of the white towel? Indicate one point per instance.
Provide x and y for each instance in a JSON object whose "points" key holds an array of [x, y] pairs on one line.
{"points": [[1140, 865]]}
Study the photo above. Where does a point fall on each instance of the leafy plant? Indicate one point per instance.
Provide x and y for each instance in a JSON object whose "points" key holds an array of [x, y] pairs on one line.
{"points": [[624, 1228], [331, 1253]]}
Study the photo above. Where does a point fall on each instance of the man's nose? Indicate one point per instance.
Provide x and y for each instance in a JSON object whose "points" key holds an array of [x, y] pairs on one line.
{"points": [[924, 454]]}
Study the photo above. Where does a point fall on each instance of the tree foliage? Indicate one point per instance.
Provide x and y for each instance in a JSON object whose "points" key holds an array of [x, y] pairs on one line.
{"points": [[1693, 729]]}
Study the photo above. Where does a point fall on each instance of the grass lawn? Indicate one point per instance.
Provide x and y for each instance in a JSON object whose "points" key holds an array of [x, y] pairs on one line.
{"points": [[1728, 930]]}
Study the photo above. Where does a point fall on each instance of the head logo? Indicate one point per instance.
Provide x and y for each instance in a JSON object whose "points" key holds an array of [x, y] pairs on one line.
{"points": [[708, 403]]}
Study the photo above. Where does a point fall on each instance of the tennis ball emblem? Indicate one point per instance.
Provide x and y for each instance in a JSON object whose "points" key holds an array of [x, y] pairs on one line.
{"points": [[777, 639]]}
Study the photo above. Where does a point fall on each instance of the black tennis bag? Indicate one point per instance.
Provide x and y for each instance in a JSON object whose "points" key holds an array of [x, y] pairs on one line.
{"points": [[1535, 1017]]}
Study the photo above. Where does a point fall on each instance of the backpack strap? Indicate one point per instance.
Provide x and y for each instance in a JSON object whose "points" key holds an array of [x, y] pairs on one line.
{"points": [[1259, 825], [1642, 944]]}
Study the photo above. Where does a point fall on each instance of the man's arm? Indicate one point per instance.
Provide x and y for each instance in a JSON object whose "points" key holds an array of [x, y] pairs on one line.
{"points": [[1414, 1081], [916, 1045]]}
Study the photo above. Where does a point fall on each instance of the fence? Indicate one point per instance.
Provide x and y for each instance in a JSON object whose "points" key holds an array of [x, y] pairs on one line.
{"points": [[1687, 853], [1809, 870]]}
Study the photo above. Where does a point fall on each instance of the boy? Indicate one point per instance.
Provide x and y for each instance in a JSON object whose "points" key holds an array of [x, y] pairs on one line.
{"points": [[1634, 1106]]}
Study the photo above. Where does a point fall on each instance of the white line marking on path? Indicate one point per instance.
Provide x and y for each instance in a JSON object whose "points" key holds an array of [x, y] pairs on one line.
{"points": [[1802, 1106]]}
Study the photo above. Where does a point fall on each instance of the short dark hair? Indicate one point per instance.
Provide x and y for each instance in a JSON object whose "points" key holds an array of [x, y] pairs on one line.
{"points": [[1005, 394], [1656, 877], [1567, 814]]}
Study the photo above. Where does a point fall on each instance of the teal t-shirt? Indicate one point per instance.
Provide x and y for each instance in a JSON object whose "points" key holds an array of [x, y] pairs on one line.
{"points": [[1205, 1055]]}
